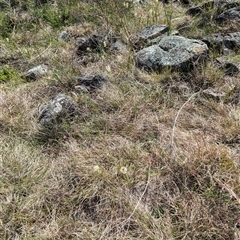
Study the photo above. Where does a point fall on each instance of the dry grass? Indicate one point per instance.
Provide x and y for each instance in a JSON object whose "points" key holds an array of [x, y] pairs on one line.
{"points": [[148, 156]]}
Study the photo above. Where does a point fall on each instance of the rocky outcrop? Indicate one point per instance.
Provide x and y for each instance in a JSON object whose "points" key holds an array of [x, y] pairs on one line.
{"points": [[175, 52], [59, 108]]}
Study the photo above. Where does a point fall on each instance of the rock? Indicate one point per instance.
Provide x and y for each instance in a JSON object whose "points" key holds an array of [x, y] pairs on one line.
{"points": [[151, 34], [36, 72], [195, 10], [90, 82], [226, 4], [118, 46], [64, 36], [220, 61], [92, 43], [153, 31], [232, 14], [217, 5], [150, 58], [175, 52], [219, 41], [95, 43], [59, 108], [230, 68], [87, 46]]}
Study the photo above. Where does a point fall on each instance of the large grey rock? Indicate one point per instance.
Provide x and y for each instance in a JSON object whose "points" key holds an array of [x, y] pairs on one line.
{"points": [[59, 108], [175, 52], [221, 41], [150, 58]]}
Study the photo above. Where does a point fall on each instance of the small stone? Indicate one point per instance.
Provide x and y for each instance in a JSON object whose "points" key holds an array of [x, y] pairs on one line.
{"points": [[59, 108], [64, 36], [91, 82], [118, 46], [36, 72]]}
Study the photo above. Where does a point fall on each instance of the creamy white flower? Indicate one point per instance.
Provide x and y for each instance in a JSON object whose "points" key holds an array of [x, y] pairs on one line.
{"points": [[123, 170], [96, 168]]}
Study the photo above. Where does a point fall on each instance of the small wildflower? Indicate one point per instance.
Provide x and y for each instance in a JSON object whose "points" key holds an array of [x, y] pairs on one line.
{"points": [[96, 168], [108, 68], [123, 170]]}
